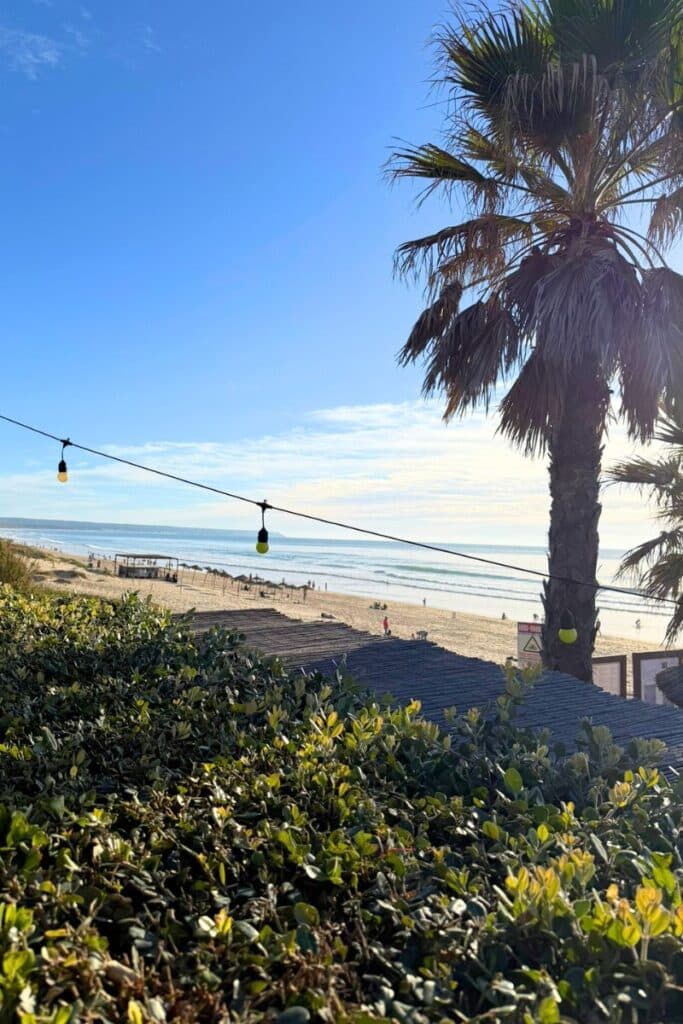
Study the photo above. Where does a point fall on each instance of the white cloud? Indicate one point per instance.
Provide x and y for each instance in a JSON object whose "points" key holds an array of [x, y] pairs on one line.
{"points": [[392, 467], [28, 52], [148, 39]]}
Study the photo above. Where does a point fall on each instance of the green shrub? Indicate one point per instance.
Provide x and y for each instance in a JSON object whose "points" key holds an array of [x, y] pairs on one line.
{"points": [[189, 834], [14, 569]]}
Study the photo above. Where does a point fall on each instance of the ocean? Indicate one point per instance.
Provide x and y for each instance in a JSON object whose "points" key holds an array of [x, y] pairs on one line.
{"points": [[380, 570]]}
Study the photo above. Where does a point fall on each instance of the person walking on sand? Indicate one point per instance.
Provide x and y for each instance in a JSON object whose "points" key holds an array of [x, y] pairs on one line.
{"points": [[385, 624]]}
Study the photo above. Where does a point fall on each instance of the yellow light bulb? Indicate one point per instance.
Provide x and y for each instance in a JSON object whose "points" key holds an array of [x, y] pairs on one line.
{"points": [[62, 474], [567, 631], [262, 545]]}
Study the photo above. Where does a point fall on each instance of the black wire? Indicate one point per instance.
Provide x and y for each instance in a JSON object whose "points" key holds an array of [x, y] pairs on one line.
{"points": [[342, 526]]}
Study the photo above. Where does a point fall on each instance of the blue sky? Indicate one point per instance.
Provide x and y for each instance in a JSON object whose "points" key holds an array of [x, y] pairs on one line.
{"points": [[197, 268]]}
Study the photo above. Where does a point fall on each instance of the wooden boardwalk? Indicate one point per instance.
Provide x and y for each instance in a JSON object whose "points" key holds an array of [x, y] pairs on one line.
{"points": [[440, 679]]}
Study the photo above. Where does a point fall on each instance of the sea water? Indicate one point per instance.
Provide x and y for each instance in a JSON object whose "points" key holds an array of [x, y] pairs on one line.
{"points": [[380, 570]]}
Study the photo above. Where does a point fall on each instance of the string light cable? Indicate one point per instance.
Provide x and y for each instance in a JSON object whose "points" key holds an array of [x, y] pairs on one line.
{"points": [[262, 541]]}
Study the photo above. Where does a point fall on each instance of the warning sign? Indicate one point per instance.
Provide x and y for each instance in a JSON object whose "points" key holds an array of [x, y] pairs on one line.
{"points": [[529, 644]]}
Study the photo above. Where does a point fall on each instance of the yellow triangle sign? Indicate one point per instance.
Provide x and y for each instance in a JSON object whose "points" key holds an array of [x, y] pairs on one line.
{"points": [[532, 645]]}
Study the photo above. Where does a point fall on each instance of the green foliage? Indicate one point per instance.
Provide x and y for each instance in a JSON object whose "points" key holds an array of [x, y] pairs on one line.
{"points": [[13, 568], [187, 833]]}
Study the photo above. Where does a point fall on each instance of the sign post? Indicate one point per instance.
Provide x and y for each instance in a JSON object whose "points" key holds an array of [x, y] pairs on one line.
{"points": [[529, 644]]}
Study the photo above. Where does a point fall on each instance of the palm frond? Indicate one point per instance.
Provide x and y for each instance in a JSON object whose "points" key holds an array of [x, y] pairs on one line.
{"points": [[620, 35], [442, 169], [659, 474], [474, 349], [652, 355], [638, 559], [670, 431], [531, 406], [675, 623], [432, 323], [479, 60], [478, 245], [469, 375], [667, 217], [510, 166], [556, 106], [665, 576], [588, 303]]}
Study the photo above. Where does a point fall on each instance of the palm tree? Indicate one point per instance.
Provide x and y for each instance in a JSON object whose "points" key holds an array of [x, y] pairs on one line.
{"points": [[561, 120], [656, 566]]}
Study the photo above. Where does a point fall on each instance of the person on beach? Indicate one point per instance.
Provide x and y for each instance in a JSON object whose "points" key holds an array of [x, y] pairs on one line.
{"points": [[385, 624]]}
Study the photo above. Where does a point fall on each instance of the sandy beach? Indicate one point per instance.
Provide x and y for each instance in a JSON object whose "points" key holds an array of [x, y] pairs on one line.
{"points": [[474, 635]]}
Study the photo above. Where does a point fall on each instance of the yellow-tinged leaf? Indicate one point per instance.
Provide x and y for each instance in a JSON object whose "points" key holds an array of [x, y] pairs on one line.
{"points": [[612, 892], [135, 1012], [548, 1011], [647, 899], [551, 885], [631, 934], [623, 910], [658, 921], [543, 832], [223, 923]]}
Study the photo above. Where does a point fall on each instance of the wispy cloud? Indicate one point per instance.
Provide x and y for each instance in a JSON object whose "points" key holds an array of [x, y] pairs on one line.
{"points": [[148, 39], [78, 39], [29, 52], [392, 467]]}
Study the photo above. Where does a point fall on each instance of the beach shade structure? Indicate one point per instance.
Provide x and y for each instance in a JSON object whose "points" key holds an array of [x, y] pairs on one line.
{"points": [[670, 682], [146, 567]]}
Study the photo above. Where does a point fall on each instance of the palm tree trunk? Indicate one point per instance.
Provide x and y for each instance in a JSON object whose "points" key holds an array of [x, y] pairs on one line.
{"points": [[575, 462]]}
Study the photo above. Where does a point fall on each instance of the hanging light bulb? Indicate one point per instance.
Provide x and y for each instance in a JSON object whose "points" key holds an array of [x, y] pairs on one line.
{"points": [[62, 473], [567, 631], [262, 545]]}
